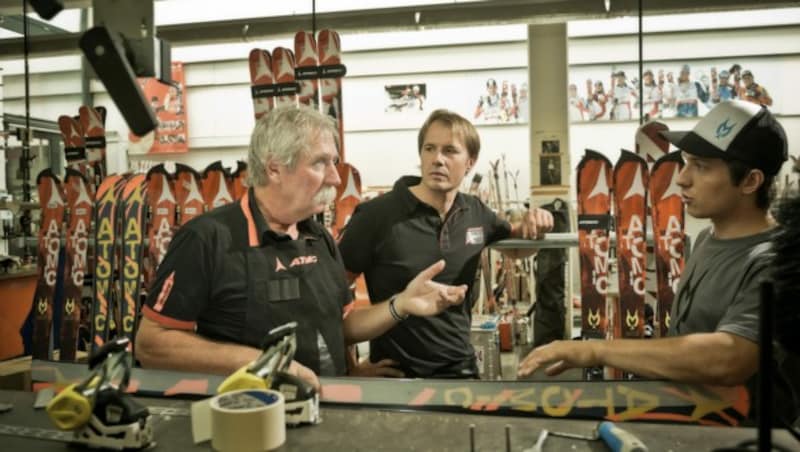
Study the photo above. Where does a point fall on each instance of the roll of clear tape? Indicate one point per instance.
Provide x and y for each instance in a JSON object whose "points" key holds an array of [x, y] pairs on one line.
{"points": [[248, 420]]}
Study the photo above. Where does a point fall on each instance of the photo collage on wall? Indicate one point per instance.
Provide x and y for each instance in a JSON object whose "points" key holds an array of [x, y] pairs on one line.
{"points": [[483, 97], [669, 89]]}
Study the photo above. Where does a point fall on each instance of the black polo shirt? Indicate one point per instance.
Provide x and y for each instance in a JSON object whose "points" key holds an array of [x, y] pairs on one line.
{"points": [[230, 278], [393, 237]]}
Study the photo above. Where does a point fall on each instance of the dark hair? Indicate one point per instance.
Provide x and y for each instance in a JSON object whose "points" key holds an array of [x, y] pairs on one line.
{"points": [[766, 191]]}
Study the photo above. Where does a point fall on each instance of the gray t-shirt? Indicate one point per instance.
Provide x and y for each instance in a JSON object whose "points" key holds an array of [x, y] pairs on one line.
{"points": [[719, 287], [720, 291]]}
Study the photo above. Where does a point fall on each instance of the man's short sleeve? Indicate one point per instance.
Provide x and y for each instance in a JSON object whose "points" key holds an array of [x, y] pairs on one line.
{"points": [[741, 317], [356, 242], [182, 287]]}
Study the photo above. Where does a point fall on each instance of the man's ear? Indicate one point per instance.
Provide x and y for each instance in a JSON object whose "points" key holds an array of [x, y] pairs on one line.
{"points": [[754, 179], [470, 164], [273, 171]]}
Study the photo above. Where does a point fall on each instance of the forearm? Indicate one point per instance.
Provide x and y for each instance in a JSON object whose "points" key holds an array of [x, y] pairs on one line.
{"points": [[697, 358], [367, 323], [162, 348]]}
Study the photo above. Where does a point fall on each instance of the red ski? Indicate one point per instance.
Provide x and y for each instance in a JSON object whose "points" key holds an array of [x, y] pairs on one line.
{"points": [[261, 81], [283, 71], [668, 224], [80, 206], [133, 208], [650, 145], [74, 144], [594, 221], [239, 180], [630, 201], [51, 200], [216, 191], [307, 69], [162, 207], [93, 122], [348, 193], [187, 193]]}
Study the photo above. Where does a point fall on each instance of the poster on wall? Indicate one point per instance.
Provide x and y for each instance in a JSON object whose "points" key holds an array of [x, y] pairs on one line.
{"points": [[674, 89], [406, 98], [169, 104], [395, 102], [503, 104]]}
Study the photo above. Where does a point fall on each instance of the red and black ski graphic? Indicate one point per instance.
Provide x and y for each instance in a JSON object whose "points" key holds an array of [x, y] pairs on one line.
{"points": [[594, 221], [331, 72], [630, 201], [262, 82], [668, 231], [74, 144], [133, 203], [105, 261], [51, 200], [283, 71], [162, 207], [80, 206], [238, 180], [306, 69], [93, 122], [216, 191], [650, 145], [188, 194]]}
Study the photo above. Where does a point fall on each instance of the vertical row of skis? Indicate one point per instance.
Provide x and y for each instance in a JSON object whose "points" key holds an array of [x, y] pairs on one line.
{"points": [[102, 236], [641, 186]]}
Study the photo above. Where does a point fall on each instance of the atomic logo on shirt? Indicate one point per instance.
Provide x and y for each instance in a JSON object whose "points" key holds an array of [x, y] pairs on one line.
{"points": [[297, 261]]}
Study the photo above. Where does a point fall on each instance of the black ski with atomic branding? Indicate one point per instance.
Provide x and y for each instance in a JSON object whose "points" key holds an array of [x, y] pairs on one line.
{"points": [[133, 205], [80, 207], [51, 200], [642, 400], [105, 261]]}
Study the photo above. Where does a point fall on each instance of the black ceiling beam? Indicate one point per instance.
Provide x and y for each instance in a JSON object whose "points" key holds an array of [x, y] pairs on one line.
{"points": [[401, 18]]}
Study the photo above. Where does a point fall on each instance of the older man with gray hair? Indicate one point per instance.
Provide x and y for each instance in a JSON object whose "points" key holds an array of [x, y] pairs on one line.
{"points": [[238, 271]]}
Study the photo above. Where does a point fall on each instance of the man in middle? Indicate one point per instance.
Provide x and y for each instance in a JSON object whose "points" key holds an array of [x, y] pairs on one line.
{"points": [[421, 220]]}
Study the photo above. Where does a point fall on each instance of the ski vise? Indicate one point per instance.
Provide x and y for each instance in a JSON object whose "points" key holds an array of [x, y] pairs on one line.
{"points": [[98, 410], [269, 371]]}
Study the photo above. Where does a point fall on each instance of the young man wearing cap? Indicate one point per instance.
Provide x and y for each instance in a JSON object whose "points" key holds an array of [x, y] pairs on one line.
{"points": [[752, 91], [732, 157]]}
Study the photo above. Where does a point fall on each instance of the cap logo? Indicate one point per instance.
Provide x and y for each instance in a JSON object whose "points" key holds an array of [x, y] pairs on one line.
{"points": [[724, 129]]}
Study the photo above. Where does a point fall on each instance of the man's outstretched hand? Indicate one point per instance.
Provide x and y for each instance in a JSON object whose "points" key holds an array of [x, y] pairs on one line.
{"points": [[424, 297]]}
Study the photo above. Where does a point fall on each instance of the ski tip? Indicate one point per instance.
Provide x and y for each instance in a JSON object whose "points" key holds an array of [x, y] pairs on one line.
{"points": [[590, 154], [214, 166]]}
